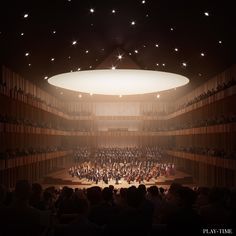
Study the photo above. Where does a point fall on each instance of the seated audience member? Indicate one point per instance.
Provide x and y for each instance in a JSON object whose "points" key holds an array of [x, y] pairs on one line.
{"points": [[3, 195], [36, 195], [216, 214], [184, 220], [81, 224], [104, 211], [20, 218], [156, 200]]}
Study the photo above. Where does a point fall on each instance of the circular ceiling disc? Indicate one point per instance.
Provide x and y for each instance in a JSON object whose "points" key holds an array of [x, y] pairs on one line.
{"points": [[118, 81]]}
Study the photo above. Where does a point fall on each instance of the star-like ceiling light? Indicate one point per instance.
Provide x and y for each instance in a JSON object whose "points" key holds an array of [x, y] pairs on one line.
{"points": [[74, 42], [119, 56], [206, 13], [118, 81], [26, 15], [113, 11], [92, 10], [133, 22]]}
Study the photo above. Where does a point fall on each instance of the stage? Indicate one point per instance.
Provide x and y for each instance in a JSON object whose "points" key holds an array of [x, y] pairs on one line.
{"points": [[62, 178]]}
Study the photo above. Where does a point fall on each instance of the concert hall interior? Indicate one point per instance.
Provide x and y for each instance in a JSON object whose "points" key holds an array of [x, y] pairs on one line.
{"points": [[117, 117]]}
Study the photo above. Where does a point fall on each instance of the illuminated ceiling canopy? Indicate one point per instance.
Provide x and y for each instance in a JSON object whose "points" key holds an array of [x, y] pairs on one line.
{"points": [[118, 81]]}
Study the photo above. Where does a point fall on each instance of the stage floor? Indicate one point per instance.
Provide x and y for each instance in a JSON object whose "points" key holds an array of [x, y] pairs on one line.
{"points": [[62, 178]]}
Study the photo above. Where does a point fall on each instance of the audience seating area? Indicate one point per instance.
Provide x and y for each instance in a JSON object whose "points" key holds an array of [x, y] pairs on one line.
{"points": [[177, 210]]}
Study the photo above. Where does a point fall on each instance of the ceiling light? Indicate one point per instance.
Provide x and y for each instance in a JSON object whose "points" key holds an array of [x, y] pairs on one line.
{"points": [[118, 82], [119, 57]]}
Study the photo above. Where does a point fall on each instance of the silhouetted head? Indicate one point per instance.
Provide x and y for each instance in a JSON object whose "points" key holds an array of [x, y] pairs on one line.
{"points": [[81, 205], [22, 190], [153, 191], [133, 196], [142, 189], [217, 195], [94, 195], [107, 194], [3, 193], [187, 196], [36, 189]]}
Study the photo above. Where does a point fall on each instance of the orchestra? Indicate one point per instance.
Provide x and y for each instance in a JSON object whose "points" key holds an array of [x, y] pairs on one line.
{"points": [[131, 164]]}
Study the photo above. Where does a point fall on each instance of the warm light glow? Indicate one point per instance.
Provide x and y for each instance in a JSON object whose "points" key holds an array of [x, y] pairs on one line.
{"points": [[118, 82]]}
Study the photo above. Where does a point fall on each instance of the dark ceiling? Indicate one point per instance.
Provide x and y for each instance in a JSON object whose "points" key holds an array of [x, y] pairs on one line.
{"points": [[80, 34]]}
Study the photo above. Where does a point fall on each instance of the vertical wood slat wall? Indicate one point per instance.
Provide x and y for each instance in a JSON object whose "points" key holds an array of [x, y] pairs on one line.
{"points": [[17, 105]]}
